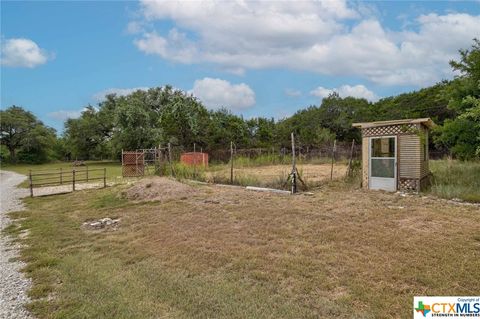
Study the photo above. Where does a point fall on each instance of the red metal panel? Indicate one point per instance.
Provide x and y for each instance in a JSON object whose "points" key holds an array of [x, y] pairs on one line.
{"points": [[194, 158]]}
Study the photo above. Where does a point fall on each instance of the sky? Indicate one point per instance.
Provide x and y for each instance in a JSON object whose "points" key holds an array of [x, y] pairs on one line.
{"points": [[256, 58]]}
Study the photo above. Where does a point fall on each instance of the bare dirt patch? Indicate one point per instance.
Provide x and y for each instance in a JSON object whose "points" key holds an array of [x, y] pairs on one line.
{"points": [[61, 189], [159, 189]]}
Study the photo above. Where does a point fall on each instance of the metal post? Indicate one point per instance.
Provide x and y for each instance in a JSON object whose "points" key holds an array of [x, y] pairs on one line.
{"points": [[231, 162], [333, 157], [87, 173], [104, 177], [73, 179], [351, 159], [61, 176], [294, 166], [194, 161], [31, 183]]}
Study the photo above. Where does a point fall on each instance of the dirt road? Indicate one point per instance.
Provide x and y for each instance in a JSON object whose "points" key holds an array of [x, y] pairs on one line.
{"points": [[14, 285]]}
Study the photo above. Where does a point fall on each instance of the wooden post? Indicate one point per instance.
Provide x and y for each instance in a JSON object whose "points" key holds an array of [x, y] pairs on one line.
{"points": [[294, 166], [351, 158], [73, 179], [104, 177], [31, 182], [87, 173], [231, 162], [61, 176], [194, 160], [172, 171], [333, 158]]}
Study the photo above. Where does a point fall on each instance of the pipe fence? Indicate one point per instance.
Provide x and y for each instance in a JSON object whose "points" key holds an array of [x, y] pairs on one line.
{"points": [[61, 177]]}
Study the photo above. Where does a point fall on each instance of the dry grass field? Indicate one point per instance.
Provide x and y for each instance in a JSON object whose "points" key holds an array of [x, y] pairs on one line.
{"points": [[184, 251], [273, 175], [312, 173]]}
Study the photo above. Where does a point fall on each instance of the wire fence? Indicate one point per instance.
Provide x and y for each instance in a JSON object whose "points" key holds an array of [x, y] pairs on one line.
{"points": [[282, 168]]}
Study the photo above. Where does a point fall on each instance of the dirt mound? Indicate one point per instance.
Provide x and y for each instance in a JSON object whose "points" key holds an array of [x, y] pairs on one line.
{"points": [[159, 189]]}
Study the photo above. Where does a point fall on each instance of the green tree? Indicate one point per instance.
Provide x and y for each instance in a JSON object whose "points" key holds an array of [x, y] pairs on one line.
{"points": [[261, 132], [15, 125], [135, 125], [225, 127], [38, 145], [182, 119], [462, 134], [25, 137], [86, 135]]}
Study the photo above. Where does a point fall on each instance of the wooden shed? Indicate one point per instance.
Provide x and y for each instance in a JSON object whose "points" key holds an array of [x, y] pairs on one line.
{"points": [[395, 154]]}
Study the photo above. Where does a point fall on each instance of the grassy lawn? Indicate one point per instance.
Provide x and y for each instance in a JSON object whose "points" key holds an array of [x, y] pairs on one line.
{"points": [[114, 169], [456, 179], [213, 252]]}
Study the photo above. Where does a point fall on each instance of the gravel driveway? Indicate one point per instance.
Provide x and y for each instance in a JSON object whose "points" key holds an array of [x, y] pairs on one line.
{"points": [[13, 285]]}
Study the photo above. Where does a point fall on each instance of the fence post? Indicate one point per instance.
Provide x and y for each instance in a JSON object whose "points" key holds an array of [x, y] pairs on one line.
{"points": [[73, 179], [194, 160], [231, 162], [172, 171], [31, 183], [294, 167], [333, 158], [170, 160], [351, 158], [87, 173], [104, 177], [61, 176]]}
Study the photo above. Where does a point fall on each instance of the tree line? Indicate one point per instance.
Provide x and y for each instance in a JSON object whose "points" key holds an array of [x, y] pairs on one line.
{"points": [[162, 115]]}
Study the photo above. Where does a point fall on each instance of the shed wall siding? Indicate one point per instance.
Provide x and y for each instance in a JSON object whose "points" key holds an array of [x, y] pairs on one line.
{"points": [[410, 156]]}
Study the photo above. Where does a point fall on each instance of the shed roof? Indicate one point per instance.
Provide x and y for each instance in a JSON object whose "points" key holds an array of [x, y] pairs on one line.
{"points": [[425, 121]]}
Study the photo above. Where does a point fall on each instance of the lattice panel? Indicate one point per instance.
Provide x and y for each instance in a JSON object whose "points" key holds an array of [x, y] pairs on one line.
{"points": [[133, 164], [408, 184], [133, 170], [389, 130], [133, 158]]}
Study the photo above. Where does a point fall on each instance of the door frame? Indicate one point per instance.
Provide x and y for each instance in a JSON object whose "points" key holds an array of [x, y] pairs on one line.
{"points": [[395, 158]]}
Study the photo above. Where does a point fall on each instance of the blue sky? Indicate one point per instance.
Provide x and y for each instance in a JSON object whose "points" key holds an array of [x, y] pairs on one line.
{"points": [[256, 58]]}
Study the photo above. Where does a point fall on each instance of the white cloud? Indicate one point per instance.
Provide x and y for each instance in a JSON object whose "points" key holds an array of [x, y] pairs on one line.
{"points": [[292, 92], [22, 53], [100, 96], [359, 91], [216, 93], [63, 115], [310, 36], [134, 27], [175, 46]]}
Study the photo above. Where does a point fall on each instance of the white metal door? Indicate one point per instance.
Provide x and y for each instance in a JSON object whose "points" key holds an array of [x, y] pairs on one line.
{"points": [[383, 163]]}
